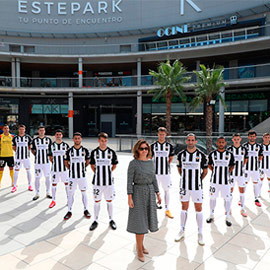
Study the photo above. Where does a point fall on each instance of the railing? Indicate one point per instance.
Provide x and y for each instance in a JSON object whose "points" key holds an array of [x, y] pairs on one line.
{"points": [[235, 73], [205, 39], [214, 38]]}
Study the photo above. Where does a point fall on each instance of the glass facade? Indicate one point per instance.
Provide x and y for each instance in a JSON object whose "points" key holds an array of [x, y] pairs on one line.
{"points": [[9, 111], [51, 113], [243, 112]]}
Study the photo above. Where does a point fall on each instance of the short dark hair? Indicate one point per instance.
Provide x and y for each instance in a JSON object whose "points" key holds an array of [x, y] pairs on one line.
{"points": [[58, 131], [5, 125], [236, 135], [40, 127], [77, 134], [193, 135], [162, 129], [221, 138], [22, 126], [252, 132], [266, 134], [103, 135]]}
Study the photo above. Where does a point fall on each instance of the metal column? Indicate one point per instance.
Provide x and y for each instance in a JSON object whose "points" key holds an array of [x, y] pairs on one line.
{"points": [[221, 112], [139, 98], [70, 115], [18, 72], [13, 72], [80, 72]]}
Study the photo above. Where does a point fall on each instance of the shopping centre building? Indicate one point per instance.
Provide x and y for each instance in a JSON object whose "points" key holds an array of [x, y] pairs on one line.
{"points": [[84, 65]]}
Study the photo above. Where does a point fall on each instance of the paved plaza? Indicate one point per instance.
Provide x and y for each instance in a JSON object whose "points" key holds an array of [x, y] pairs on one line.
{"points": [[32, 236]]}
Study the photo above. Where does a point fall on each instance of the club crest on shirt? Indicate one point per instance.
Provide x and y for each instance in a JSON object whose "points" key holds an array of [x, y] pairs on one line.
{"points": [[109, 155], [166, 148], [242, 153], [227, 157], [83, 154], [256, 149], [197, 158]]}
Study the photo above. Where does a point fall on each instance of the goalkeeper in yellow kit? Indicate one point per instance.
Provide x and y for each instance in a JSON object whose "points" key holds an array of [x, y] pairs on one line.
{"points": [[6, 152]]}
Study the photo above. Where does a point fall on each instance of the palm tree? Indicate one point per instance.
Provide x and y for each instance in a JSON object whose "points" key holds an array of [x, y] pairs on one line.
{"points": [[170, 79], [207, 88]]}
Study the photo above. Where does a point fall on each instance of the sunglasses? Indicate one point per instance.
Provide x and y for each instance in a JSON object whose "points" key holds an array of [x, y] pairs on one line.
{"points": [[143, 148]]}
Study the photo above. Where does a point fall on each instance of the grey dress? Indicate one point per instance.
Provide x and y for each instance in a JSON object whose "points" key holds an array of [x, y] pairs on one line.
{"points": [[142, 184]]}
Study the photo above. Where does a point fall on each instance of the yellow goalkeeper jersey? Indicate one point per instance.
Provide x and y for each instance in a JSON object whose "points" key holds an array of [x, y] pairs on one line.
{"points": [[6, 145]]}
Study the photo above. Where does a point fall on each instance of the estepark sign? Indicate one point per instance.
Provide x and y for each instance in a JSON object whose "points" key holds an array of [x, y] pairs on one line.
{"points": [[69, 8]]}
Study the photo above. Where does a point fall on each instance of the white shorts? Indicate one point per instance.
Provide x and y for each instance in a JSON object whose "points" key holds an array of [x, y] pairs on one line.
{"points": [[240, 181], [254, 175], [224, 190], [196, 195], [164, 181], [45, 168], [265, 172], [74, 182], [107, 191], [22, 162], [57, 176]]}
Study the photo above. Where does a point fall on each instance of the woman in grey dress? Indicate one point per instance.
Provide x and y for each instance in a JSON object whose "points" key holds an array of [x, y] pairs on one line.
{"points": [[142, 189]]}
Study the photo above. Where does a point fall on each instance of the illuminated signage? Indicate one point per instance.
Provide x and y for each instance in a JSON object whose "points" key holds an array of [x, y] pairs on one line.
{"points": [[64, 8], [186, 28], [171, 31], [191, 3]]}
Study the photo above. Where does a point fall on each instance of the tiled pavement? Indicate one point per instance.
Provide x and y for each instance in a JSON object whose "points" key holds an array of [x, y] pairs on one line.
{"points": [[32, 236]]}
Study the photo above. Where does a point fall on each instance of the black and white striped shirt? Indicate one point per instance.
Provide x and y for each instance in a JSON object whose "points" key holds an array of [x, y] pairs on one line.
{"points": [[22, 146], [58, 152], [254, 152], [103, 161], [192, 165], [265, 163], [161, 153], [240, 154], [41, 148], [221, 162], [77, 159]]}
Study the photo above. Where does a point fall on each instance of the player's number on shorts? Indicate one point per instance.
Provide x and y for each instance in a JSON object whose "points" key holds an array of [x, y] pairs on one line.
{"points": [[182, 191], [96, 192], [212, 189]]}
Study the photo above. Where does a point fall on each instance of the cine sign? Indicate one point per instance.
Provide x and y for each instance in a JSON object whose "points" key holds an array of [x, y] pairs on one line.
{"points": [[171, 31]]}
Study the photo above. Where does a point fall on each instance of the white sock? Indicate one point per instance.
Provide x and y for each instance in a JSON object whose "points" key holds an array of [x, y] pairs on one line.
{"points": [[183, 219], [256, 187], [70, 200], [212, 206], [260, 186], [199, 218], [228, 208], [48, 185], [167, 199], [37, 185], [15, 177], [242, 200], [110, 210], [96, 210], [66, 188], [85, 200], [53, 192], [29, 177]]}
